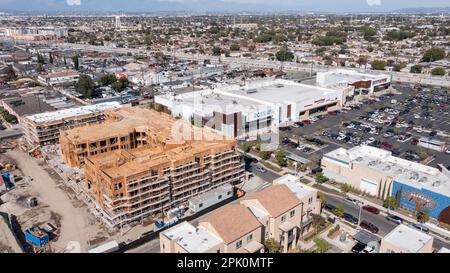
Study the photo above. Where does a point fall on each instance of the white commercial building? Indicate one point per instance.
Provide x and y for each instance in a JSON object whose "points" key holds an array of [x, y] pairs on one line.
{"points": [[378, 173], [241, 111], [405, 239], [59, 78], [353, 81]]}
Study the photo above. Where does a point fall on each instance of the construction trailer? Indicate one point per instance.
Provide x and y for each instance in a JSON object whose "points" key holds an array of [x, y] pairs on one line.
{"points": [[105, 248], [211, 198], [36, 237]]}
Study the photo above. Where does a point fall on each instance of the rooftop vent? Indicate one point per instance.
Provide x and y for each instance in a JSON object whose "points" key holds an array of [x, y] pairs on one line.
{"points": [[423, 180], [251, 91], [436, 184], [279, 85]]}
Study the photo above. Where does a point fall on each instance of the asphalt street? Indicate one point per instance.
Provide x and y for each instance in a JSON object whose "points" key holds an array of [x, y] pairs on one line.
{"points": [[380, 221]]}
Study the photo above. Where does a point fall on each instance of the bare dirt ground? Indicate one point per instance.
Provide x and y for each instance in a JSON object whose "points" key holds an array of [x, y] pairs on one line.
{"points": [[57, 205]]}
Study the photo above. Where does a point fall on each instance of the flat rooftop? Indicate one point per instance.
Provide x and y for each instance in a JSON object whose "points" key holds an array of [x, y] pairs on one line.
{"points": [[122, 121], [193, 240], [407, 172], [293, 183], [284, 91], [407, 238], [73, 112], [339, 76], [28, 105]]}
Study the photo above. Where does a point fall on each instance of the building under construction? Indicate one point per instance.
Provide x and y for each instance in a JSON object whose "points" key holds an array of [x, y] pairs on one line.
{"points": [[44, 128], [135, 167]]}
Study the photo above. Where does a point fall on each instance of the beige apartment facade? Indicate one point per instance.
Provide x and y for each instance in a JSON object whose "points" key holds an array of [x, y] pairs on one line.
{"points": [[230, 229], [276, 212], [44, 128]]}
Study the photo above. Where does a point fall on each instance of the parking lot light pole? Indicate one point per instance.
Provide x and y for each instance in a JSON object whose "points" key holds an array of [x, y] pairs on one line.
{"points": [[360, 210]]}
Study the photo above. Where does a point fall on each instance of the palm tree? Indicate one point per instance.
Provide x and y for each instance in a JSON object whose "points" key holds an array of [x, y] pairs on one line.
{"points": [[323, 200]]}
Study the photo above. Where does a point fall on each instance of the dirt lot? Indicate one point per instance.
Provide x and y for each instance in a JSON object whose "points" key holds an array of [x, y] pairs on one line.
{"points": [[56, 205]]}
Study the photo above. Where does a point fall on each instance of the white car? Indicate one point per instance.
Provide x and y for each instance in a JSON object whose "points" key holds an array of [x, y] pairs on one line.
{"points": [[368, 249]]}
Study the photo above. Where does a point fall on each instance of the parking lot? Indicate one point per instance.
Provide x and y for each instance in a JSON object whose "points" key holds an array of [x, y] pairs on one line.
{"points": [[394, 122]]}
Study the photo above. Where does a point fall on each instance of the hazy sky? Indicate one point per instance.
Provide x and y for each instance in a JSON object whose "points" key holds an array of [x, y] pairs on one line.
{"points": [[218, 5]]}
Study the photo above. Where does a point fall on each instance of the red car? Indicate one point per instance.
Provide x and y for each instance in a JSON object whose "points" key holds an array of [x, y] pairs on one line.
{"points": [[306, 122], [414, 141], [369, 226], [371, 209]]}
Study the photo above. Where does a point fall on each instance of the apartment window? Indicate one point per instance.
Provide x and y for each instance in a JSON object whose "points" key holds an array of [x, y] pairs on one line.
{"points": [[200, 205], [292, 214], [249, 238], [283, 218], [219, 197], [239, 244], [310, 200]]}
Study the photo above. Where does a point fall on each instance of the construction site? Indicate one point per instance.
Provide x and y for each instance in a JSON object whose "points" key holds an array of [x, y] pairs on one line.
{"points": [[135, 168]]}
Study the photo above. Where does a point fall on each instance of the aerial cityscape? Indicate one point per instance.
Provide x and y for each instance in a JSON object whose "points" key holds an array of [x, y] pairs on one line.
{"points": [[224, 126]]}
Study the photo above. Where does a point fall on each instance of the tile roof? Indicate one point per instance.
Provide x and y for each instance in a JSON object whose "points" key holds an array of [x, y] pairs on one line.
{"points": [[232, 222]]}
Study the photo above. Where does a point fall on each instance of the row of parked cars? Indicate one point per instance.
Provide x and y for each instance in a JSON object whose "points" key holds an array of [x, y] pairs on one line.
{"points": [[366, 224]]}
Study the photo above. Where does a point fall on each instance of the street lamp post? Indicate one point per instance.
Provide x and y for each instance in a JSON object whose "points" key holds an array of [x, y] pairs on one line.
{"points": [[359, 217]]}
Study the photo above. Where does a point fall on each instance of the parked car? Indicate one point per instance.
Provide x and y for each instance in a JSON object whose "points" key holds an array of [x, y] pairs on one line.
{"points": [[369, 226], [371, 209], [350, 218], [420, 227], [260, 169], [329, 207], [358, 248], [351, 200], [394, 219]]}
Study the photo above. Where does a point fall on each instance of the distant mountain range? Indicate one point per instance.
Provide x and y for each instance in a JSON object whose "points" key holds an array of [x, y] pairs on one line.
{"points": [[435, 10]]}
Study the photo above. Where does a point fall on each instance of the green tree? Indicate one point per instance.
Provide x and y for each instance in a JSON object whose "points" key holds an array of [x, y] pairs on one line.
{"points": [[423, 215], [323, 200], [339, 211], [433, 54], [438, 71], [369, 34], [318, 222], [322, 245], [284, 56], [107, 80], [10, 74], [264, 154], [85, 86], [378, 65], [246, 147], [280, 155], [76, 62], [272, 245], [321, 178], [398, 67], [390, 203], [263, 38], [417, 69], [235, 47], [120, 84], [216, 51]]}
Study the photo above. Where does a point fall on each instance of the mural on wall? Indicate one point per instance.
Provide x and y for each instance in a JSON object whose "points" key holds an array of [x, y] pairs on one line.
{"points": [[419, 199]]}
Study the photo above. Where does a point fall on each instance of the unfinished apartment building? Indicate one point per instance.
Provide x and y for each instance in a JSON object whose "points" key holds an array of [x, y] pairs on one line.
{"points": [[44, 128], [135, 168]]}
